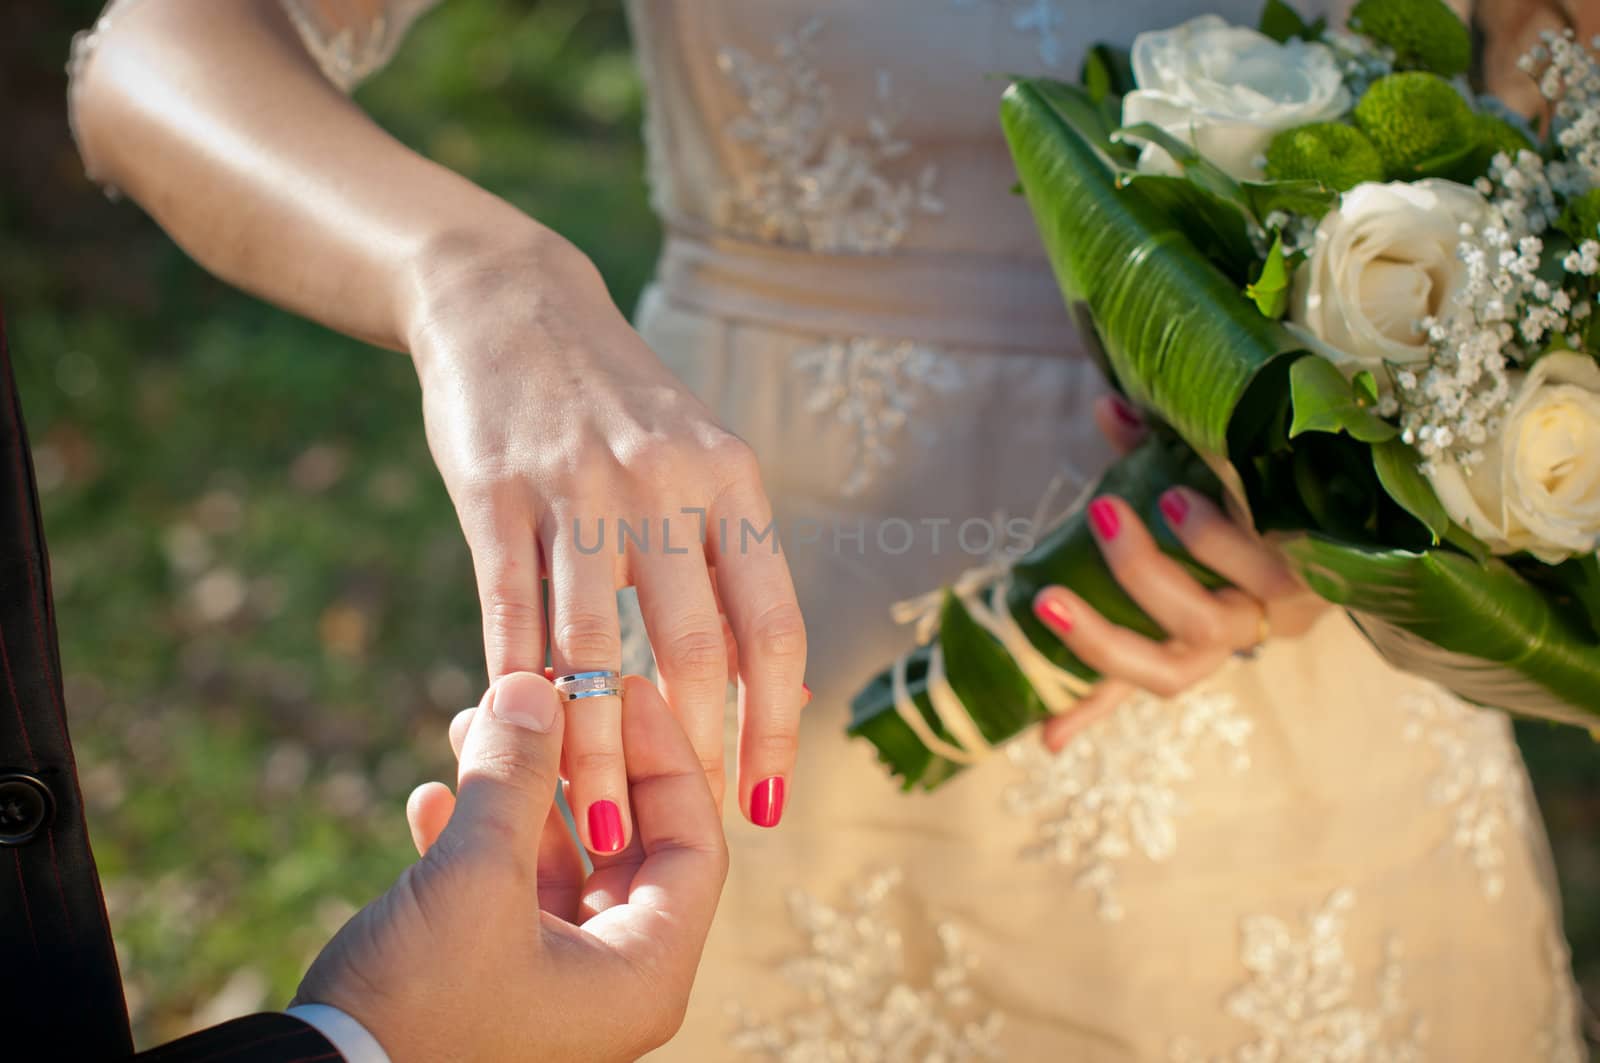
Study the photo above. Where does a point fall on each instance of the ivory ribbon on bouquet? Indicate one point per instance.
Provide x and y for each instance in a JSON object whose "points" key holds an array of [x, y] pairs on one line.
{"points": [[1059, 689]]}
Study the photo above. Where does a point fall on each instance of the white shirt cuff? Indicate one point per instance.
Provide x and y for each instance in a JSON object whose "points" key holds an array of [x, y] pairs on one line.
{"points": [[348, 1036]]}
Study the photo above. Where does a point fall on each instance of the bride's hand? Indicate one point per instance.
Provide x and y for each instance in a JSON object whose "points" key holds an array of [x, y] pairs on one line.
{"points": [[547, 415], [1204, 627]]}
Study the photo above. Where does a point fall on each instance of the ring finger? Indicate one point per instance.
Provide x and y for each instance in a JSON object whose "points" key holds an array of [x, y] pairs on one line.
{"points": [[585, 636]]}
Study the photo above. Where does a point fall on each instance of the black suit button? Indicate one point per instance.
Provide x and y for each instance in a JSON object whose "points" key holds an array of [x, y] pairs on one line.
{"points": [[25, 807]]}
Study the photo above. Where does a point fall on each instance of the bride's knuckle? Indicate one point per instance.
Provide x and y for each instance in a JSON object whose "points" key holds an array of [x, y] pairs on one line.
{"points": [[1282, 585], [772, 746], [483, 490], [733, 459], [659, 463], [589, 640], [698, 652], [1169, 680], [711, 767], [1202, 627], [594, 763], [507, 610], [1206, 537], [1090, 644], [779, 635]]}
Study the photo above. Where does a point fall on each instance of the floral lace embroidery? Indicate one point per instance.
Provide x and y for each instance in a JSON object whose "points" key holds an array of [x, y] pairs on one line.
{"points": [[1560, 1038], [1043, 17], [815, 187], [1117, 789], [1301, 997], [1479, 779], [872, 387], [352, 39], [863, 1006]]}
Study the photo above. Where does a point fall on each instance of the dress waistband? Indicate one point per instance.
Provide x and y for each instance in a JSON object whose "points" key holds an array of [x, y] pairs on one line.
{"points": [[970, 301]]}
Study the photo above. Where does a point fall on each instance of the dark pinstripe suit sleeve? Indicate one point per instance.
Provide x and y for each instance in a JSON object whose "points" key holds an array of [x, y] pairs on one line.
{"points": [[58, 971], [268, 1038], [60, 994]]}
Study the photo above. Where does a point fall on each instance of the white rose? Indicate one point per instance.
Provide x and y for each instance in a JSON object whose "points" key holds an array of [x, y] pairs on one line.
{"points": [[1538, 487], [1227, 91], [1381, 262]]}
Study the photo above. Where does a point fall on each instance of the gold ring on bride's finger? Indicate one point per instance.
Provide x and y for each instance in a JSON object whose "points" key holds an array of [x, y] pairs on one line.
{"points": [[602, 683], [1263, 633]]}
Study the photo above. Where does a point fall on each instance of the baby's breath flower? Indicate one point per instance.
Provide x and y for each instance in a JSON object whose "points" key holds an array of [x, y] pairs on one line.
{"points": [[1506, 312]]}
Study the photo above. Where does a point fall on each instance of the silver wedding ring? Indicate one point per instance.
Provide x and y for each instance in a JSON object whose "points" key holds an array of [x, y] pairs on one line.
{"points": [[603, 684]]}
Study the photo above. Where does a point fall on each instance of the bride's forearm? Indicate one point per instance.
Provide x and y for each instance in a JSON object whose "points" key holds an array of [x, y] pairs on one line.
{"points": [[213, 117]]}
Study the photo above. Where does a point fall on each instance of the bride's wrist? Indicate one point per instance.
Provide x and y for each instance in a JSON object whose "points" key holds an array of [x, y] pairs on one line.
{"points": [[471, 271]]}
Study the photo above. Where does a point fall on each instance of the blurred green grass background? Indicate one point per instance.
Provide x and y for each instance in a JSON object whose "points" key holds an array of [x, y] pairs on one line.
{"points": [[266, 609]]}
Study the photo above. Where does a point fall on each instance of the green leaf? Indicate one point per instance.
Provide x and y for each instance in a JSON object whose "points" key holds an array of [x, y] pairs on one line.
{"points": [[1365, 386], [982, 673], [1397, 467], [1456, 163], [1310, 198], [1283, 23], [874, 717], [1479, 629], [1580, 577], [1176, 331], [1270, 290], [1217, 228], [1087, 119], [1324, 401], [1467, 543], [1107, 73], [1196, 168]]}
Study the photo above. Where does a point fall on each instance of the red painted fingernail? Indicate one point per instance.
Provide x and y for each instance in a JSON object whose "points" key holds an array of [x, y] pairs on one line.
{"points": [[807, 691], [1053, 613], [1174, 507], [1124, 411], [766, 802], [1103, 515], [605, 827]]}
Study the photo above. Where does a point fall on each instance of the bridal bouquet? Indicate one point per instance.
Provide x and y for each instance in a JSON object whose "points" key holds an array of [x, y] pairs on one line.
{"points": [[1358, 300]]}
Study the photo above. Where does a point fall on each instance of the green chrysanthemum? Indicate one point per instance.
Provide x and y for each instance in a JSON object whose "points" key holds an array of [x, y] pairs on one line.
{"points": [[1498, 135], [1425, 34], [1414, 119], [1495, 136], [1339, 156]]}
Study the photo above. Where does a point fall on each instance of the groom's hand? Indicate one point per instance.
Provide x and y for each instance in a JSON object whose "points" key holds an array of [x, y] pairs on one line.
{"points": [[478, 951]]}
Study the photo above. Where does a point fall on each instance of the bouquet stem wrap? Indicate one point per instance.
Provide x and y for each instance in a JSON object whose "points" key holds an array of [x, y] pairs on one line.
{"points": [[1149, 265], [992, 670]]}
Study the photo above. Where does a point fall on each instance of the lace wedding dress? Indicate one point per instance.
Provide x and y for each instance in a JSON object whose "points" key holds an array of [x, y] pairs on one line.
{"points": [[1311, 858]]}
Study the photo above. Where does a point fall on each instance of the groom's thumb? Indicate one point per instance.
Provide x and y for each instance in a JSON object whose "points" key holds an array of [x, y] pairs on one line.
{"points": [[510, 762]]}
